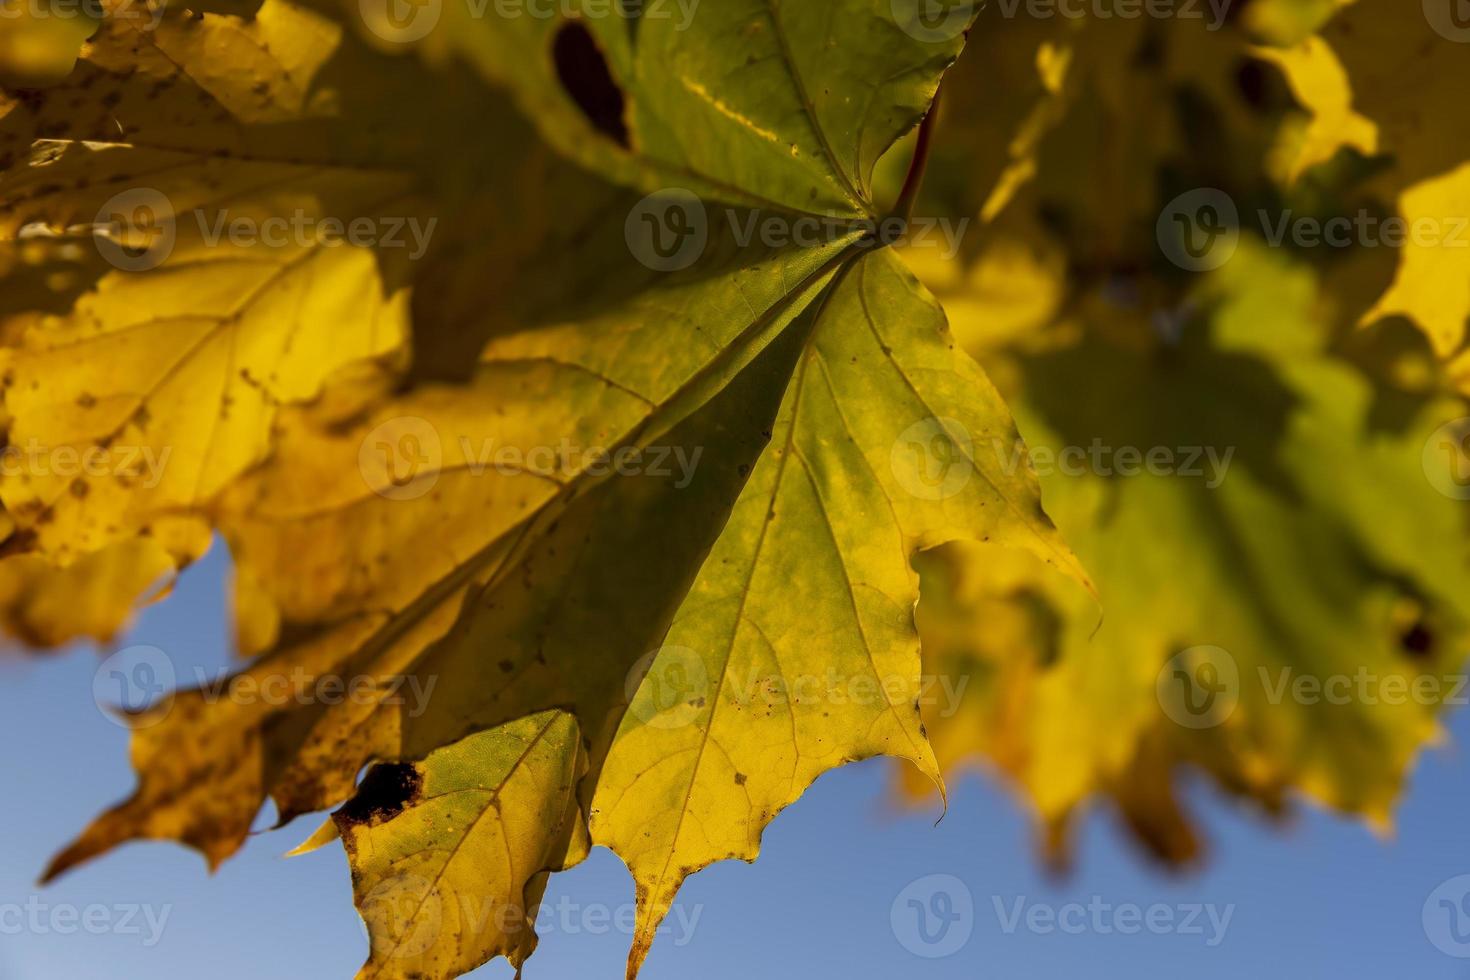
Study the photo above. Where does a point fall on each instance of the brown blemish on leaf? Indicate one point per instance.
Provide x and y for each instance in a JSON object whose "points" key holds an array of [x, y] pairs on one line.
{"points": [[1417, 641], [583, 72], [383, 794]]}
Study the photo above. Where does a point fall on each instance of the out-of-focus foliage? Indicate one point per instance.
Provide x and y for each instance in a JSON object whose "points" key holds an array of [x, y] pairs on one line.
{"points": [[40, 39], [1299, 517]]}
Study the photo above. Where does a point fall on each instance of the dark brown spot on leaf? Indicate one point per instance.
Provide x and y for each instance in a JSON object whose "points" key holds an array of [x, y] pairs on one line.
{"points": [[583, 72], [1417, 641], [382, 795]]}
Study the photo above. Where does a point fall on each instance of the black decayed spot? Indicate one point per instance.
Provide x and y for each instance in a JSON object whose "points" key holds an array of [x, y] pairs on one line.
{"points": [[1417, 641], [1254, 82], [583, 72], [382, 794]]}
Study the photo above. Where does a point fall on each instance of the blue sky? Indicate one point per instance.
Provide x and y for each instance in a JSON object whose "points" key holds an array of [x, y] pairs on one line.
{"points": [[839, 890]]}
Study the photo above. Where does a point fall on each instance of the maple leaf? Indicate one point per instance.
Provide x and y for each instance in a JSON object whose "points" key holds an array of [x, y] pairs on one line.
{"points": [[1319, 80], [497, 810], [164, 366], [601, 504], [1065, 298], [129, 366], [1229, 581], [1366, 82], [806, 385], [41, 40], [46, 606], [1101, 111]]}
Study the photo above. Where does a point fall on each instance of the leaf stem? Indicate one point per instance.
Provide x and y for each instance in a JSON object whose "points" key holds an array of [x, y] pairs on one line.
{"points": [[904, 207]]}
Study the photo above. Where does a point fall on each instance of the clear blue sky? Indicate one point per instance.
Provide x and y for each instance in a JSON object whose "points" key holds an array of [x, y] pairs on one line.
{"points": [[1319, 898]]}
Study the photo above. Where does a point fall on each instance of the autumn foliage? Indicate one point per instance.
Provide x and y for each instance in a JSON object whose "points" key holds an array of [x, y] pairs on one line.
{"points": [[615, 384]]}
